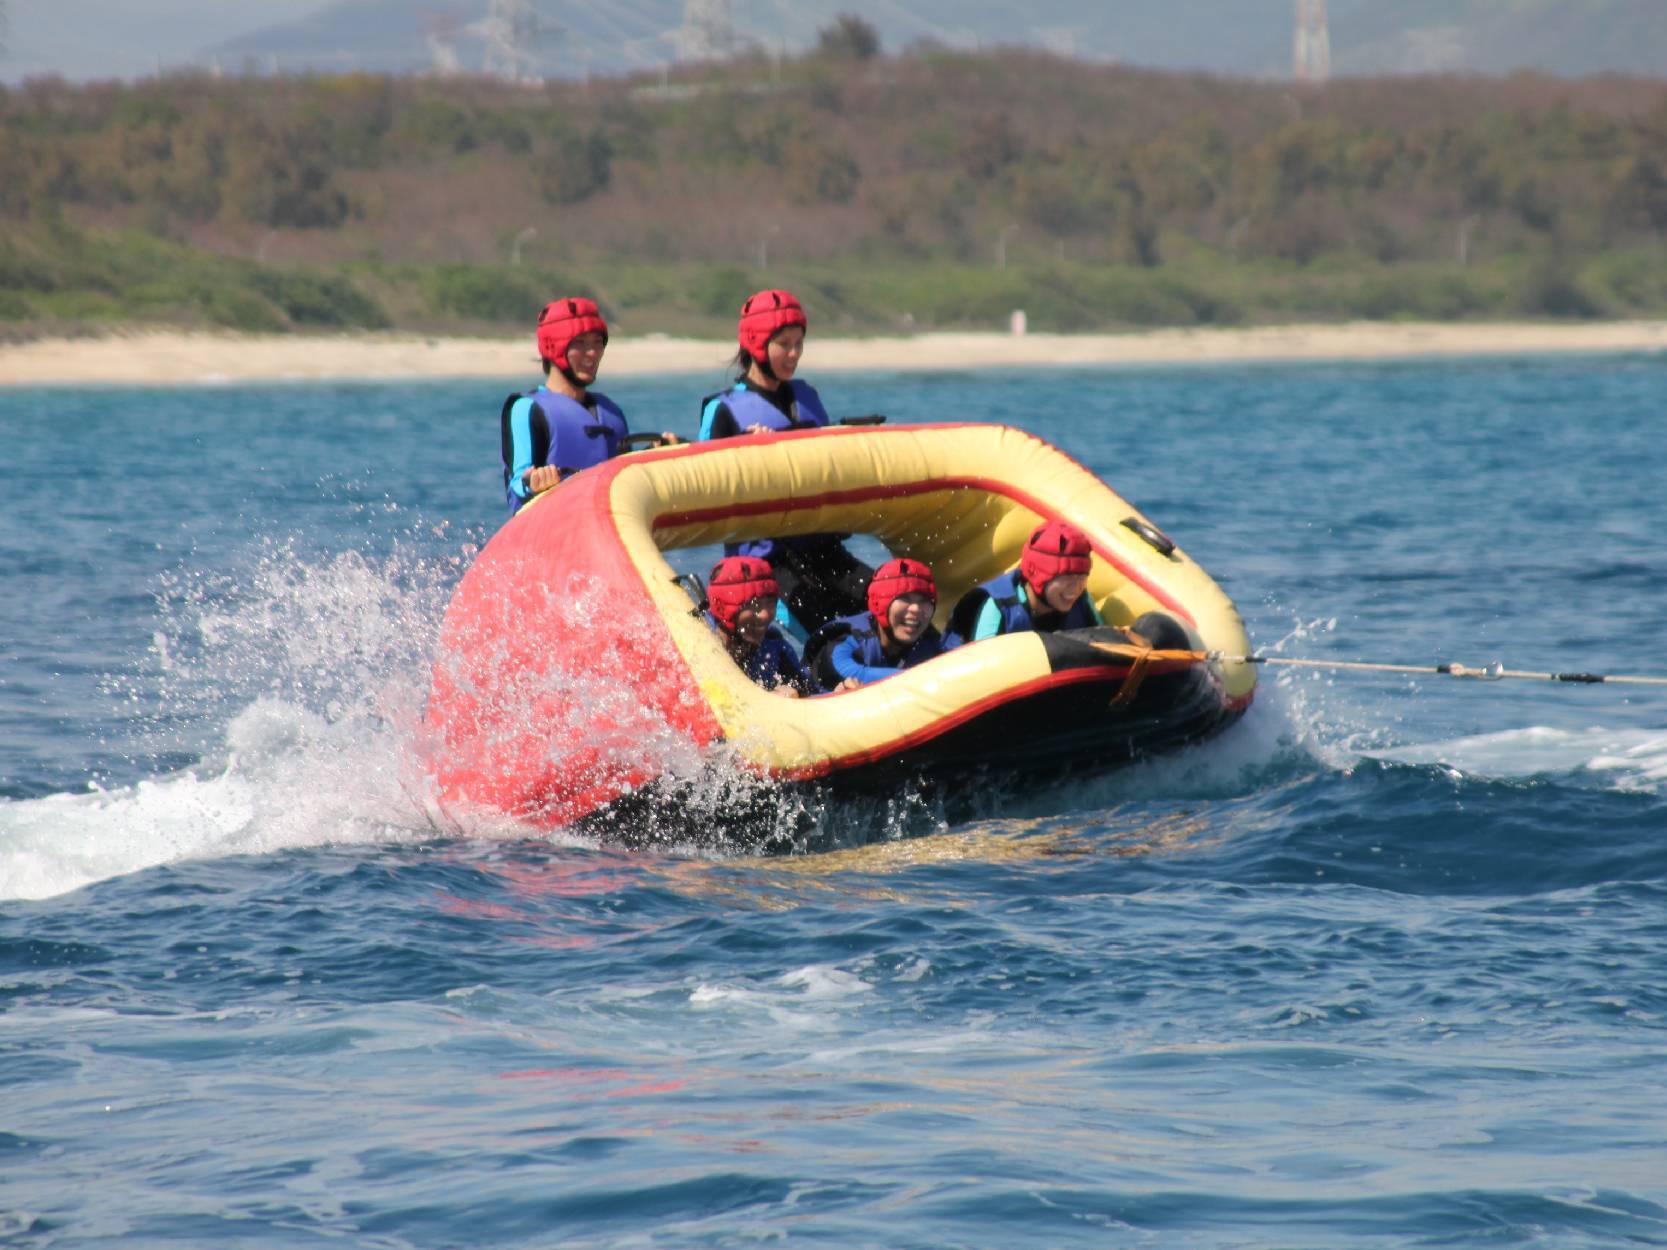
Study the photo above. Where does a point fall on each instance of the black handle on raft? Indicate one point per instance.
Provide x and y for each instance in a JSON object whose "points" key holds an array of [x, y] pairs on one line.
{"points": [[1152, 534], [692, 586], [631, 442], [868, 418]]}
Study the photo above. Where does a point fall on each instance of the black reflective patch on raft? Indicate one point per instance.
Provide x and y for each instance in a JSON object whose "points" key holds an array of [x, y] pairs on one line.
{"points": [[1071, 726], [1074, 648]]}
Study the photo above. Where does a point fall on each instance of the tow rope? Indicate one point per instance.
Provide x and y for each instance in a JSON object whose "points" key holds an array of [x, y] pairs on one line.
{"points": [[1489, 672]]}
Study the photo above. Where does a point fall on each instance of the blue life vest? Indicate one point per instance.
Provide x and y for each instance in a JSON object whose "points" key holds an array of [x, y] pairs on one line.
{"points": [[559, 431], [1008, 593], [857, 638], [749, 408], [773, 664]]}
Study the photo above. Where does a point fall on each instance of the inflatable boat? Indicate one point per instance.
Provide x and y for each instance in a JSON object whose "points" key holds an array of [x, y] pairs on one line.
{"points": [[576, 668]]}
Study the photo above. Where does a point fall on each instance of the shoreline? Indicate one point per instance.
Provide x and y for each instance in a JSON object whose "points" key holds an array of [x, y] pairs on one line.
{"points": [[177, 358]]}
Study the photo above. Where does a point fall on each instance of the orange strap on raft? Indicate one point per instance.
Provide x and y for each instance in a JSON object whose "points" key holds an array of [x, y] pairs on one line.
{"points": [[1140, 654]]}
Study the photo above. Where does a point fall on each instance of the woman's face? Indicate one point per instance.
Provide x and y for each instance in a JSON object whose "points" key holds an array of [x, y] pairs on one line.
{"points": [[584, 357], [909, 615], [784, 351], [1062, 592], [754, 619]]}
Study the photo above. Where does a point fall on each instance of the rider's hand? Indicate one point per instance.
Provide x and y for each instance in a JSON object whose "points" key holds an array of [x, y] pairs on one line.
{"points": [[541, 478]]}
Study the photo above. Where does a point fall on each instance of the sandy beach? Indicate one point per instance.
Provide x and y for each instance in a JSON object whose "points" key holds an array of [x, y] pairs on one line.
{"points": [[177, 358]]}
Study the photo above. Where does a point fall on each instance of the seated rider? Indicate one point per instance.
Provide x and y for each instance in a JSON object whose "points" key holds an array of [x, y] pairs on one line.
{"points": [[1045, 593], [741, 604], [551, 432], [819, 578], [894, 634]]}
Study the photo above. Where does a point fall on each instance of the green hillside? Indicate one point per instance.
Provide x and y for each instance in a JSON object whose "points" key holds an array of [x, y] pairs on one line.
{"points": [[929, 191]]}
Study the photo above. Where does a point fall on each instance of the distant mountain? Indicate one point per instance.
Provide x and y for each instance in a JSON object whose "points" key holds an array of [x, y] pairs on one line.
{"points": [[579, 37]]}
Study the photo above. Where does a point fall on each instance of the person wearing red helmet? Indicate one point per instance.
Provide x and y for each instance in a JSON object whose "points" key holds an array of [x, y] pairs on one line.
{"points": [[551, 432], [1045, 593], [819, 578], [765, 395], [894, 634], [741, 607]]}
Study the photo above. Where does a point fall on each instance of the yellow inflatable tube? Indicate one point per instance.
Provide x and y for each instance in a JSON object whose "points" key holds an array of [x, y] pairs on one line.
{"points": [[961, 498]]}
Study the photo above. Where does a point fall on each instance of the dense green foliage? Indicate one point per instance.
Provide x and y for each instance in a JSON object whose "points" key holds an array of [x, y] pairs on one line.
{"points": [[925, 191]]}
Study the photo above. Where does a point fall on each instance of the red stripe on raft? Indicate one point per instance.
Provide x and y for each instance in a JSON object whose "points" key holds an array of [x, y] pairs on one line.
{"points": [[1069, 677], [867, 494]]}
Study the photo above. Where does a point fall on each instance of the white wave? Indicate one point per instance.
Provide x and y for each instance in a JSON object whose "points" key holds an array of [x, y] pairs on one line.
{"points": [[798, 1001], [1620, 759], [307, 676], [290, 780]]}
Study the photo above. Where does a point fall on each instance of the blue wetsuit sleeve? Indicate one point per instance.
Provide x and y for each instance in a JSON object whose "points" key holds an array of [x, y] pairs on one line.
{"points": [[845, 663], [521, 439], [989, 622], [716, 421]]}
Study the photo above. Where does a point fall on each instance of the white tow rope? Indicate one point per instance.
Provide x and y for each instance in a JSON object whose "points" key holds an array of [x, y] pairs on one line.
{"points": [[1491, 672]]}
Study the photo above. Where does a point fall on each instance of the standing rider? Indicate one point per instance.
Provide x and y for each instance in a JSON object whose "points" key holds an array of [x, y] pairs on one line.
{"points": [[819, 578], [551, 432]]}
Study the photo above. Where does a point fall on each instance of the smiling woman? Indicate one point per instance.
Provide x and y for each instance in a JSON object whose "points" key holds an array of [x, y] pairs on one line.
{"points": [[552, 431]]}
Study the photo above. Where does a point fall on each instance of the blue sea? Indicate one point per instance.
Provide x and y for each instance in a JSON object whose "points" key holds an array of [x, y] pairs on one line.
{"points": [[1384, 965]]}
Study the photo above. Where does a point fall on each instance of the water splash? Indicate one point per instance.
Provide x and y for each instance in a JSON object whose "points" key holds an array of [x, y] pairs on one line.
{"points": [[1630, 760]]}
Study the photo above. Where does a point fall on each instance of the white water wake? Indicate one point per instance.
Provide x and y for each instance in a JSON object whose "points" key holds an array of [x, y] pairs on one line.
{"points": [[288, 779], [1629, 760]]}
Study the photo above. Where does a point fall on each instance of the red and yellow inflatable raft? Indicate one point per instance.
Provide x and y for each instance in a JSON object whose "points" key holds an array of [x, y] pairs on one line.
{"points": [[574, 667]]}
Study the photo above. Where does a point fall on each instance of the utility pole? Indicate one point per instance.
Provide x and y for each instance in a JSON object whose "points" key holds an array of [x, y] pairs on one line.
{"points": [[1311, 48], [440, 31], [708, 32], [509, 30]]}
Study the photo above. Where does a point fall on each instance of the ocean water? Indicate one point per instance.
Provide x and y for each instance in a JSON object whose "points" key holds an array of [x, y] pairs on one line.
{"points": [[1382, 966]]}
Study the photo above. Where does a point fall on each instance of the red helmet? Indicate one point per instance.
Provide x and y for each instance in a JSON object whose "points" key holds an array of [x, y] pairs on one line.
{"points": [[899, 577], [565, 320], [762, 316], [1054, 548], [736, 581]]}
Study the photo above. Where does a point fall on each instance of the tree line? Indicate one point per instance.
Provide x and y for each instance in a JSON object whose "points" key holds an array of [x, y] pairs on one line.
{"points": [[421, 198]]}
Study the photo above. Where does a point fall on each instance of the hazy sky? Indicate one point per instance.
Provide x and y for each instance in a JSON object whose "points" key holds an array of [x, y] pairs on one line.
{"points": [[127, 38]]}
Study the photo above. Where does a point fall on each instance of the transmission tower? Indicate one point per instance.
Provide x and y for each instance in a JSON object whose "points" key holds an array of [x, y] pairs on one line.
{"points": [[440, 31], [708, 33], [510, 29], [1311, 51]]}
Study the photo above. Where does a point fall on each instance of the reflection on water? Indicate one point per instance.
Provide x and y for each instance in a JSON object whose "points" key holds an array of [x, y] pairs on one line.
{"points": [[781, 883]]}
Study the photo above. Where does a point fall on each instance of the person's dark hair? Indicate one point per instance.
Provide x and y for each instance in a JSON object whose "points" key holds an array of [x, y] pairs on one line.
{"points": [[743, 361], [572, 378]]}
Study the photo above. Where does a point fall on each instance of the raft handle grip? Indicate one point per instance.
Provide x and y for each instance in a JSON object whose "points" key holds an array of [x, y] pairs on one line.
{"points": [[631, 442], [1154, 537], [867, 418], [692, 586]]}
